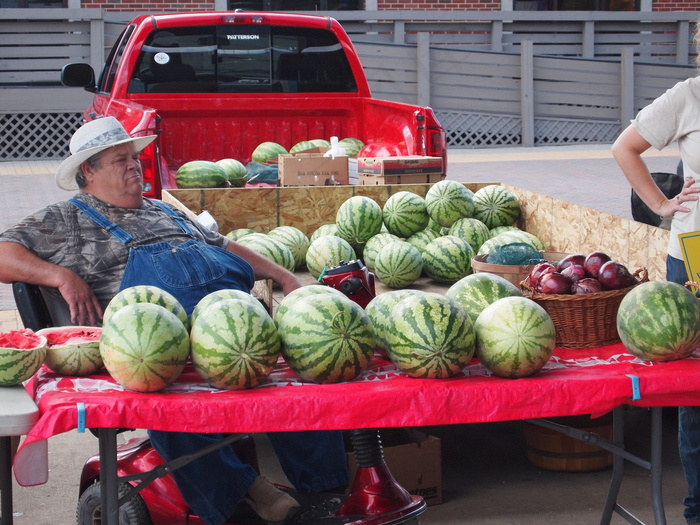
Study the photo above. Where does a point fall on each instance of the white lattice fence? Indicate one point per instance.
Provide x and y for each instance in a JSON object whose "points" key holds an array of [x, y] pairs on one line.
{"points": [[569, 131], [36, 135]]}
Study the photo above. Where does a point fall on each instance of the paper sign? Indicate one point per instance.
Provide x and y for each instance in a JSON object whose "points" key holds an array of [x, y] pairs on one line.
{"points": [[690, 247]]}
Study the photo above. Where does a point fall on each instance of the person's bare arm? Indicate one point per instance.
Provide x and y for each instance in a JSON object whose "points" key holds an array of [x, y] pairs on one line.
{"points": [[627, 152], [264, 268], [20, 264]]}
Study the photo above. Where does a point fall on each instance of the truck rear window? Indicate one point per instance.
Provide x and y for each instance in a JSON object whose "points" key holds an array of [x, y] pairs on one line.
{"points": [[242, 59]]}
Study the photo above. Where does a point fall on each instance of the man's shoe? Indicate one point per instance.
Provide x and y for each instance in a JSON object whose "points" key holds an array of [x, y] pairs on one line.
{"points": [[273, 506]]}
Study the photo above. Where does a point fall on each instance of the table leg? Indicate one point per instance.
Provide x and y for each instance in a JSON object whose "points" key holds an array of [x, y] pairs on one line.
{"points": [[6, 480], [618, 467], [657, 501], [109, 482]]}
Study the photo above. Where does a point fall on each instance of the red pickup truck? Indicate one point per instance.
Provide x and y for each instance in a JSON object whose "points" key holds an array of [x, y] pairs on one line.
{"points": [[214, 85]]}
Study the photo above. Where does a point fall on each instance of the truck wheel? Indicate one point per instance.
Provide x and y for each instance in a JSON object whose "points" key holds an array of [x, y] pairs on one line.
{"points": [[133, 512]]}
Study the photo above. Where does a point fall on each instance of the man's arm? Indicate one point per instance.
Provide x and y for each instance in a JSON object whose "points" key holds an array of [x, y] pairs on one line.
{"points": [[264, 268], [20, 264]]}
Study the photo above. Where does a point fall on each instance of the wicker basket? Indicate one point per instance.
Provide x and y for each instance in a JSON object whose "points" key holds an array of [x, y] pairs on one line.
{"points": [[513, 273], [584, 320]]}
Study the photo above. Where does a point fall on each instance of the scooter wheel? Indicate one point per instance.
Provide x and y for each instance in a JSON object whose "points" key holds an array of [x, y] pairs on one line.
{"points": [[89, 512]]}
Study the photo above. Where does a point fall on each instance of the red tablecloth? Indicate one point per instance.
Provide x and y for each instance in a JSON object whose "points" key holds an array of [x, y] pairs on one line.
{"points": [[574, 382]]}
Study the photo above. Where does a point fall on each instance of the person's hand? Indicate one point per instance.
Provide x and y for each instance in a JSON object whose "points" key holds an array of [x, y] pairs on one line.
{"points": [[84, 307], [689, 193]]}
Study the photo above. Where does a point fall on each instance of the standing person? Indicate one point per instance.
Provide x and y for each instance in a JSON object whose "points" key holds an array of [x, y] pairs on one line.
{"points": [[109, 237], [673, 117]]}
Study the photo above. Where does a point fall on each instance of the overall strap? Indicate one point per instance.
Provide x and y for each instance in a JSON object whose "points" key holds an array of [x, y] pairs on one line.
{"points": [[177, 218], [102, 221]]}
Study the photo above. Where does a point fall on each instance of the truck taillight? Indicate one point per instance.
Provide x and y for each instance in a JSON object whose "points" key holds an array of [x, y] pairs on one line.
{"points": [[149, 170], [437, 145]]}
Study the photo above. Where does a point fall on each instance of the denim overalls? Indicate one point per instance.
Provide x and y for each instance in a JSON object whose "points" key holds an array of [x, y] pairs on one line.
{"points": [[188, 271]]}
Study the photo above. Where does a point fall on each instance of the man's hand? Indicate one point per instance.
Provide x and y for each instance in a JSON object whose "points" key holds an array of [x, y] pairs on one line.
{"points": [[84, 307]]}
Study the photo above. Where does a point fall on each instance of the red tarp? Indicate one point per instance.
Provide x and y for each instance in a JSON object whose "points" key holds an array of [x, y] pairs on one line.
{"points": [[573, 382]]}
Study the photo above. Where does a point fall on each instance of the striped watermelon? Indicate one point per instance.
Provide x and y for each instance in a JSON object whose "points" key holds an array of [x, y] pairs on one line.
{"points": [[376, 243], [144, 347], [405, 213], [659, 321], [302, 145], [431, 336], [327, 338], [434, 226], [510, 237], [421, 239], [235, 171], [292, 297], [447, 201], [294, 239], [471, 230], [515, 337], [478, 290], [496, 205], [235, 344], [447, 259], [320, 143], [398, 264], [145, 293], [221, 295], [379, 312], [327, 251], [22, 353], [73, 350], [200, 174], [358, 219], [236, 234], [270, 248], [493, 232], [326, 229], [351, 145], [267, 152]]}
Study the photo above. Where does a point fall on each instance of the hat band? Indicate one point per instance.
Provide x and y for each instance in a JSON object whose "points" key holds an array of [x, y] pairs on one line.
{"points": [[105, 139]]}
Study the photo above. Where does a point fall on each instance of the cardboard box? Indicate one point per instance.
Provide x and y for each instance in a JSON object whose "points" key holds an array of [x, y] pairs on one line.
{"points": [[311, 168], [400, 170], [414, 460]]}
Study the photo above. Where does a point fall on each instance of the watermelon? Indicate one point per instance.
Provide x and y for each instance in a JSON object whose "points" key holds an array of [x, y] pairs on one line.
{"points": [[236, 234], [515, 337], [398, 264], [478, 290], [302, 145], [292, 297], [270, 248], [422, 238], [431, 336], [73, 350], [352, 146], [145, 293], [327, 338], [659, 321], [235, 171], [434, 226], [447, 259], [267, 152], [220, 295], [374, 244], [200, 174], [447, 201], [510, 237], [496, 205], [327, 251], [144, 347], [326, 229], [358, 219], [22, 353], [235, 344], [320, 143], [405, 213], [493, 232], [379, 311], [471, 230], [294, 239]]}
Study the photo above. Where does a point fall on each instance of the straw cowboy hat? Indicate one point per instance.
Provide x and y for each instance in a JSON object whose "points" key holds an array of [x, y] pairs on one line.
{"points": [[91, 138]]}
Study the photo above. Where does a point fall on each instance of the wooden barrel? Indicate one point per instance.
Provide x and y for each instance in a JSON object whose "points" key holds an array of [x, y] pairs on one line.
{"points": [[552, 450]]}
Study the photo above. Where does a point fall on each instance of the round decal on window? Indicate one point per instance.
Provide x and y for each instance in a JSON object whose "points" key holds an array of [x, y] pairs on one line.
{"points": [[161, 58]]}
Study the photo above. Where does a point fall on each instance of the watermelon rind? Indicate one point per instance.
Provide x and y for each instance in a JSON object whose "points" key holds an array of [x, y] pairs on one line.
{"points": [[292, 297], [267, 152], [447, 259], [146, 293], [320, 143], [405, 213], [144, 347], [496, 205], [422, 238], [448, 200], [72, 350], [659, 321], [398, 264], [327, 338], [325, 229], [471, 230], [235, 344], [294, 239], [22, 352], [270, 248], [358, 219], [221, 295], [236, 234], [373, 245], [351, 145], [379, 312], [515, 337], [302, 145], [200, 174], [478, 290], [235, 171], [326, 252], [431, 336], [510, 237]]}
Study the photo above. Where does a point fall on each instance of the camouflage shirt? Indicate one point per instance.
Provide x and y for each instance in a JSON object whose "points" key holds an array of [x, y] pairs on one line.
{"points": [[64, 235]]}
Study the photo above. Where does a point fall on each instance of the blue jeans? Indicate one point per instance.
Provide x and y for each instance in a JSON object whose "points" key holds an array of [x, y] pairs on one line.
{"points": [[688, 423], [214, 484]]}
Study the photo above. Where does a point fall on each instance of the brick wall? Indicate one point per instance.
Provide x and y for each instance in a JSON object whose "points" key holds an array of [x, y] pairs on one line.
{"points": [[675, 5]]}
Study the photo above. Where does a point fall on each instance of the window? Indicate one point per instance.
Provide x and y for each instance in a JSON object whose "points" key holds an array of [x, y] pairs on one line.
{"points": [[8, 4], [576, 5], [242, 59], [297, 5]]}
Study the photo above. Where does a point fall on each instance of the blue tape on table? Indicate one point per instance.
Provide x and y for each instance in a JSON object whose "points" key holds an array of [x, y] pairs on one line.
{"points": [[636, 393], [81, 417]]}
